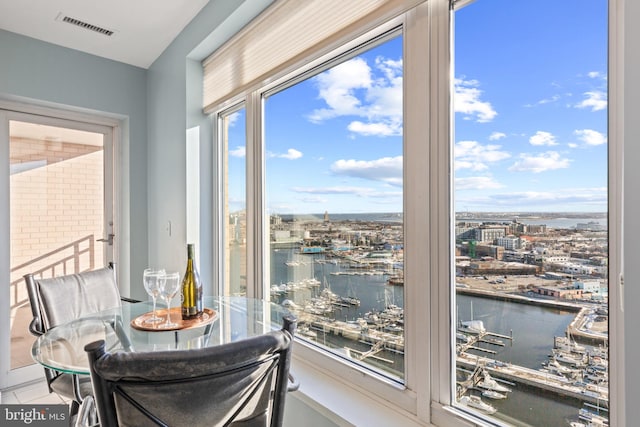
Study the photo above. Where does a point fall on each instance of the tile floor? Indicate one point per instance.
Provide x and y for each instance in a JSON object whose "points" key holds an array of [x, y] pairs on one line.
{"points": [[35, 392]]}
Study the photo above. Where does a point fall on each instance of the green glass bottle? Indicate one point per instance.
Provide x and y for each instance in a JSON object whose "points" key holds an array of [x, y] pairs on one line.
{"points": [[191, 288]]}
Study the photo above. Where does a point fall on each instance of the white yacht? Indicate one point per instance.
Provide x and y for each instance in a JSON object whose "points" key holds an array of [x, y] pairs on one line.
{"points": [[492, 394], [477, 403], [489, 383]]}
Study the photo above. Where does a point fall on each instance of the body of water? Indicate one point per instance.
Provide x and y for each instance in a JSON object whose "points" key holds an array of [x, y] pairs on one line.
{"points": [[533, 329], [555, 221]]}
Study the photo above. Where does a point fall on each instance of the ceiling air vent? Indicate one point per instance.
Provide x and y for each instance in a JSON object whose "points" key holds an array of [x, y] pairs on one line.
{"points": [[85, 25]]}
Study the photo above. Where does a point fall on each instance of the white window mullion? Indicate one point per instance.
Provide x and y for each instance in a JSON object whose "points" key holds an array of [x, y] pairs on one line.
{"points": [[441, 207], [615, 226], [418, 188], [255, 199]]}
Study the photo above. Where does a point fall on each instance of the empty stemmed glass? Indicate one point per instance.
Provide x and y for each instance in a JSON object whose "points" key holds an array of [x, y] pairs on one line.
{"points": [[167, 292], [153, 283]]}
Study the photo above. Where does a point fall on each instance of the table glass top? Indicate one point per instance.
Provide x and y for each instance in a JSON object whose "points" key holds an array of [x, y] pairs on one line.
{"points": [[236, 318]]}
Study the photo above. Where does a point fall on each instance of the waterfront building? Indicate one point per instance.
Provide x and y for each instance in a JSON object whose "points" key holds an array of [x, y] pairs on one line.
{"points": [[591, 226], [560, 291], [591, 286], [481, 268], [575, 268]]}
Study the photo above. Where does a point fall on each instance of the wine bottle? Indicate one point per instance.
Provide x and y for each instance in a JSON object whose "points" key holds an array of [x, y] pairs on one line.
{"points": [[191, 288]]}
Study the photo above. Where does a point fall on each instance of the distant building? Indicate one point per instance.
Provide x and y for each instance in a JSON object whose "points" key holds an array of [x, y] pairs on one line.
{"points": [[561, 292], [536, 229], [592, 286], [591, 226], [489, 234], [465, 232], [493, 251], [509, 242], [482, 268]]}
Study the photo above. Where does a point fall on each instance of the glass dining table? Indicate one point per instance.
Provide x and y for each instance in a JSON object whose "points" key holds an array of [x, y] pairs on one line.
{"points": [[226, 319]]}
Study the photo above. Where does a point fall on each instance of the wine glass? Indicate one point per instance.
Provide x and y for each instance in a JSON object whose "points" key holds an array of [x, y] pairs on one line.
{"points": [[152, 283], [167, 292]]}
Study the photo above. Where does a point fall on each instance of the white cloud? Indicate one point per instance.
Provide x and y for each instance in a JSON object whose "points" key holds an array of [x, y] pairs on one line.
{"points": [[313, 200], [374, 95], [380, 129], [540, 163], [476, 183], [238, 152], [543, 138], [560, 199], [467, 101], [333, 190], [337, 88], [386, 169], [553, 99], [596, 75], [314, 194], [550, 100], [596, 100], [591, 137], [475, 156], [474, 166], [497, 135], [291, 154], [233, 118]]}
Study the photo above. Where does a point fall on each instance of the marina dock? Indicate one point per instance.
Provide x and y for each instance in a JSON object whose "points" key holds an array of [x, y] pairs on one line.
{"points": [[549, 382]]}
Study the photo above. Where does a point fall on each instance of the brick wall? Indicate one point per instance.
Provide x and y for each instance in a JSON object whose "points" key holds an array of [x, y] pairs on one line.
{"points": [[56, 200]]}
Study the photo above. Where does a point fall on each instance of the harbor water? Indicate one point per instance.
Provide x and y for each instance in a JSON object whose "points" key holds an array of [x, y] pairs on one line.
{"points": [[533, 328]]}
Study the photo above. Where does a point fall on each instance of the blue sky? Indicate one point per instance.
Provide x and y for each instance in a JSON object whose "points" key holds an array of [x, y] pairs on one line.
{"points": [[530, 119]]}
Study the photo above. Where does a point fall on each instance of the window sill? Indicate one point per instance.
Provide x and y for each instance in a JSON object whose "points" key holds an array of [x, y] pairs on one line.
{"points": [[331, 393], [344, 405]]}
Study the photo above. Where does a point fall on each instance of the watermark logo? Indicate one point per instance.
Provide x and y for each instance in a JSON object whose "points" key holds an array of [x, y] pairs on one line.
{"points": [[34, 415]]}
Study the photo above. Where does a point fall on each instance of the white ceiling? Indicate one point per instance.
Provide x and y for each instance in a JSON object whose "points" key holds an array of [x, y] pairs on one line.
{"points": [[142, 28]]}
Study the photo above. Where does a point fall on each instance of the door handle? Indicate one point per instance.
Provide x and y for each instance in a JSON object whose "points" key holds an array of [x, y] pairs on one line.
{"points": [[109, 239]]}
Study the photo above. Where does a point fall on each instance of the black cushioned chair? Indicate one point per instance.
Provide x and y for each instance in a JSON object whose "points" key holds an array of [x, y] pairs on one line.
{"points": [[243, 383], [61, 299]]}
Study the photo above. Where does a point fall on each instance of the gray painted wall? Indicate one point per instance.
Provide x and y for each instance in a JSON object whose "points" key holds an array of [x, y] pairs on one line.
{"points": [[48, 75], [175, 105]]}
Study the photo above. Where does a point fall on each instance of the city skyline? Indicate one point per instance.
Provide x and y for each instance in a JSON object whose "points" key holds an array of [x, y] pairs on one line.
{"points": [[530, 120]]}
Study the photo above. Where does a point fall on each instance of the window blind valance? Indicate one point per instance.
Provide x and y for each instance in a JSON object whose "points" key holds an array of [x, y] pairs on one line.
{"points": [[281, 35]]}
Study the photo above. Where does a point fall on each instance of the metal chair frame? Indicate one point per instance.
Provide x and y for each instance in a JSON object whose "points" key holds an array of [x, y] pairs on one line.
{"points": [[39, 325], [269, 354]]}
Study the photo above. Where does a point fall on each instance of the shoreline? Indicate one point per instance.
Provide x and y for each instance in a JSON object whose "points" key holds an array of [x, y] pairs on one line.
{"points": [[574, 328]]}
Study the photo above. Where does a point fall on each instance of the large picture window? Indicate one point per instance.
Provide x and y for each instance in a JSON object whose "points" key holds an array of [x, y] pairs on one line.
{"points": [[531, 207], [333, 191], [430, 195]]}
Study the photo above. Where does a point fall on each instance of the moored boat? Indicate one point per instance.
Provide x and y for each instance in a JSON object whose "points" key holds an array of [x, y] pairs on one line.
{"points": [[492, 394], [489, 383], [477, 403]]}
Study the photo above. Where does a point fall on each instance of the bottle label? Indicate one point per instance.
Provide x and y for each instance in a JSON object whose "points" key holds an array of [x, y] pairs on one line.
{"points": [[190, 312]]}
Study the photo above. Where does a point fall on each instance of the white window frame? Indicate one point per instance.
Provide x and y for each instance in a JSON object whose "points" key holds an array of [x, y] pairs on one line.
{"points": [[343, 391]]}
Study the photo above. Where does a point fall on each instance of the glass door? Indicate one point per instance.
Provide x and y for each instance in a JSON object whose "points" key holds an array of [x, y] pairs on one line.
{"points": [[58, 216]]}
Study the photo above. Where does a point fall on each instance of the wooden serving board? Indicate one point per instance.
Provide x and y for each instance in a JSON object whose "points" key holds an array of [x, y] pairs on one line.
{"points": [[139, 323]]}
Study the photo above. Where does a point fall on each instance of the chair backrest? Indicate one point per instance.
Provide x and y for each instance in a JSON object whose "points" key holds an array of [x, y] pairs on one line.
{"points": [[243, 383], [64, 298]]}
